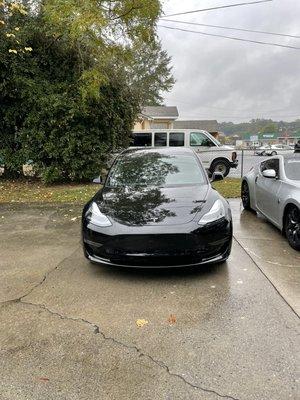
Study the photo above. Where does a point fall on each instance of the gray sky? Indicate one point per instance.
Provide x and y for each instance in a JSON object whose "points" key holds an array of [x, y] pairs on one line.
{"points": [[226, 80]]}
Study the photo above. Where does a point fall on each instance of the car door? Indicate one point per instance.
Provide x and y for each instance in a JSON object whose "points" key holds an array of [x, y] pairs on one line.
{"points": [[203, 145], [267, 190]]}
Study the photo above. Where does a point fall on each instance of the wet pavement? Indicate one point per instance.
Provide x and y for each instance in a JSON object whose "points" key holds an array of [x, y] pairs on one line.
{"points": [[68, 328]]}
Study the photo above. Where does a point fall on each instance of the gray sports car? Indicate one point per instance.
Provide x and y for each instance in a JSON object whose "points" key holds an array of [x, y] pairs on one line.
{"points": [[272, 188]]}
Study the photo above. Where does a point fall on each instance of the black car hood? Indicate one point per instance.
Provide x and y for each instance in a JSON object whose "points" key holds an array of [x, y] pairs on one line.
{"points": [[152, 205]]}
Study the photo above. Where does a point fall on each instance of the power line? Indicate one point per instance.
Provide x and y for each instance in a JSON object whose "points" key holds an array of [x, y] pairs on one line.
{"points": [[230, 37], [219, 7], [231, 28]]}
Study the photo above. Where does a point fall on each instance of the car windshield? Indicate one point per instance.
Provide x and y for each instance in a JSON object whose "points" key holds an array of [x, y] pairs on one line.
{"points": [[292, 169], [156, 169]]}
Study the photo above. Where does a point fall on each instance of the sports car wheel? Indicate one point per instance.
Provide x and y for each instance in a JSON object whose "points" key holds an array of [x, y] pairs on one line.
{"points": [[245, 194], [292, 227]]}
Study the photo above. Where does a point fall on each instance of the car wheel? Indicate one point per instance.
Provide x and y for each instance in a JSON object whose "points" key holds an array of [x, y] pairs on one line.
{"points": [[274, 153], [245, 194], [220, 166], [292, 227], [263, 153]]}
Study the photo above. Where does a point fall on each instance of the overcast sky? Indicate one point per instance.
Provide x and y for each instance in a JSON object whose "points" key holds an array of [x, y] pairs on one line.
{"points": [[227, 80]]}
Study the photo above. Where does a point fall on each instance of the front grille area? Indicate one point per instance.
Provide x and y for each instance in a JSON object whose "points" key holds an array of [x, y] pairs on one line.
{"points": [[156, 250]]}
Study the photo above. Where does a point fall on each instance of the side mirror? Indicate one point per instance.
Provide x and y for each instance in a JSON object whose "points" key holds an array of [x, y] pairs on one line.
{"points": [[217, 176], [98, 180], [269, 173]]}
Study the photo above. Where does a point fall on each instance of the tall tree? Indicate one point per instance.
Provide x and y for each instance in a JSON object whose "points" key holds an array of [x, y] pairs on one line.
{"points": [[71, 81], [149, 72]]}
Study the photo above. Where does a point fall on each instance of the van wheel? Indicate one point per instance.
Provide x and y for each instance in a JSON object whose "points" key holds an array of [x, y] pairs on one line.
{"points": [[220, 166]]}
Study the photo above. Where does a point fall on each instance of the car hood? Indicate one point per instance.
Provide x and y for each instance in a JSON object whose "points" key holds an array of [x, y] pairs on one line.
{"points": [[152, 205]]}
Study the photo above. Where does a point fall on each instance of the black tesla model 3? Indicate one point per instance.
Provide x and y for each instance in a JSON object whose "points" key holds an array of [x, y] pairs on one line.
{"points": [[157, 209]]}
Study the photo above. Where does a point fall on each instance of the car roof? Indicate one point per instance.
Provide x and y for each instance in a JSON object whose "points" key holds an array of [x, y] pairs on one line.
{"points": [[160, 150]]}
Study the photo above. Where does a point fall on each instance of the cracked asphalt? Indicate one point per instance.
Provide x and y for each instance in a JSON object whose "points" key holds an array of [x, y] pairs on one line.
{"points": [[68, 328]]}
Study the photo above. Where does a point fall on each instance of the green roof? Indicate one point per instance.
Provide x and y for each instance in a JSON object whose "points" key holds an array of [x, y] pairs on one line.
{"points": [[260, 136], [267, 136]]}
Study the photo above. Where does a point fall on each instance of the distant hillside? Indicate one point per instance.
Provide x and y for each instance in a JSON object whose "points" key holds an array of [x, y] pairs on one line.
{"points": [[258, 125]]}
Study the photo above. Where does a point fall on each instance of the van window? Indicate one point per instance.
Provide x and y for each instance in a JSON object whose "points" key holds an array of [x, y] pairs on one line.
{"points": [[160, 139], [199, 139], [142, 139], [176, 139]]}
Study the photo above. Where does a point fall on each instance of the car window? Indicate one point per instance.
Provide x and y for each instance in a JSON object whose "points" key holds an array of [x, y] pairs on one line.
{"points": [[176, 139], [160, 139], [270, 164], [200, 139], [292, 169], [154, 169], [142, 139]]}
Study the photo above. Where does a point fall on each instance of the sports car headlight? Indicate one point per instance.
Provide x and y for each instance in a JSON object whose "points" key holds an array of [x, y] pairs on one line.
{"points": [[95, 216], [214, 214]]}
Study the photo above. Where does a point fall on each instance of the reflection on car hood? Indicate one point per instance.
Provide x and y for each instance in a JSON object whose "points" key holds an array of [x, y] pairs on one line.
{"points": [[152, 205]]}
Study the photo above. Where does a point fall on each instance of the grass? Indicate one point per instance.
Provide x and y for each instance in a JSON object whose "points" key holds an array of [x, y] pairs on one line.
{"points": [[229, 187], [36, 192]]}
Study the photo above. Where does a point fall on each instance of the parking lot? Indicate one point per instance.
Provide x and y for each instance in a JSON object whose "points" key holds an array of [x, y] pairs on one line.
{"points": [[250, 160], [69, 329]]}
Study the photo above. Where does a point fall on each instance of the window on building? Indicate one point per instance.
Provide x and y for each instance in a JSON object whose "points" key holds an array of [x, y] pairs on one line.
{"points": [[142, 139], [200, 139], [176, 139], [160, 139]]}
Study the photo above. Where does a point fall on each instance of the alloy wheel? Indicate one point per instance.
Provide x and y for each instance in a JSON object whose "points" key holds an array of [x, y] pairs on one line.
{"points": [[246, 196], [293, 227]]}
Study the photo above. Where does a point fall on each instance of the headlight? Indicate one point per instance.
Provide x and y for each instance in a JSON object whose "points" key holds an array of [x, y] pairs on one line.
{"points": [[215, 213], [95, 216]]}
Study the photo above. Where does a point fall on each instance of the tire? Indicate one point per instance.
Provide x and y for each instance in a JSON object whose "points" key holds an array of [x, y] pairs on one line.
{"points": [[292, 227], [245, 195], [220, 166], [274, 153]]}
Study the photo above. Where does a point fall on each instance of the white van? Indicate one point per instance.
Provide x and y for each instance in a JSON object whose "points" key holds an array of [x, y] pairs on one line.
{"points": [[214, 156]]}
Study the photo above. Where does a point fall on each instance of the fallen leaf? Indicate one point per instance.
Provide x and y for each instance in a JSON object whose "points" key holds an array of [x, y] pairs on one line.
{"points": [[172, 319], [141, 322], [44, 379]]}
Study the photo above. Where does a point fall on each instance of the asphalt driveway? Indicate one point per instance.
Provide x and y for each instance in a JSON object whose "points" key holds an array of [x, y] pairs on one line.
{"points": [[68, 329]]}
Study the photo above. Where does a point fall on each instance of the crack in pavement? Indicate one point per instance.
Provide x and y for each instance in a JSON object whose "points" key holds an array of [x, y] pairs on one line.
{"points": [[18, 299], [96, 330]]}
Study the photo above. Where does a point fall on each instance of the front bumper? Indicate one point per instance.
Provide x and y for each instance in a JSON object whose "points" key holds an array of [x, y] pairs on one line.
{"points": [[234, 164], [202, 246]]}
